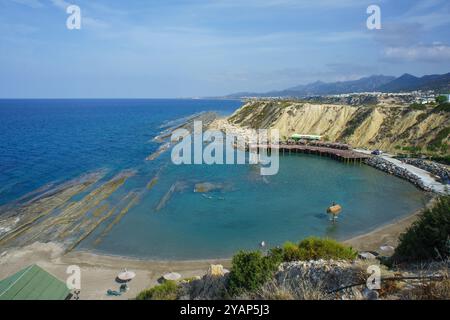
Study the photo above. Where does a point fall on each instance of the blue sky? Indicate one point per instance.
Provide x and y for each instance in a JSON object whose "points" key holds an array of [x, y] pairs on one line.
{"points": [[187, 48]]}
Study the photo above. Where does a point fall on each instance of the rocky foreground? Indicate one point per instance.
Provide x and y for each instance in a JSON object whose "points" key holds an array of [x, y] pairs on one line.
{"points": [[333, 280]]}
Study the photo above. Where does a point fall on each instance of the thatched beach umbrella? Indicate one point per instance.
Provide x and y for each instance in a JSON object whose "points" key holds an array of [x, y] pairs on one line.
{"points": [[126, 275], [334, 210]]}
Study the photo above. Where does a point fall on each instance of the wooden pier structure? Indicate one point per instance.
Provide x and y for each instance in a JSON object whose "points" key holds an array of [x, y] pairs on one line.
{"points": [[345, 155]]}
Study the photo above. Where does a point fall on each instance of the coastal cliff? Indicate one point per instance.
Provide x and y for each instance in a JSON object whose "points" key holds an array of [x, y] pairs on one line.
{"points": [[376, 126]]}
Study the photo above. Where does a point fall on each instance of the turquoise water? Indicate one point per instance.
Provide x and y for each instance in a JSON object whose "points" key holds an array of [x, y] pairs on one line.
{"points": [[46, 141], [287, 206]]}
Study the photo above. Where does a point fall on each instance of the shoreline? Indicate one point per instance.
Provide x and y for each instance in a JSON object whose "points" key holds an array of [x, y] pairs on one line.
{"points": [[388, 234], [98, 271], [386, 163]]}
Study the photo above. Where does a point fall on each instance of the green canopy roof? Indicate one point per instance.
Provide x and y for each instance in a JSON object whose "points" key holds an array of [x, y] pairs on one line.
{"points": [[33, 283]]}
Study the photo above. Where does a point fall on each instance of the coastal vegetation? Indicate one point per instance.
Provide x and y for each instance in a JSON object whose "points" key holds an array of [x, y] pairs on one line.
{"points": [[429, 237], [443, 105], [437, 143], [314, 248], [409, 149], [358, 118], [441, 99], [250, 270], [417, 106], [317, 268], [168, 290], [442, 159], [321, 269]]}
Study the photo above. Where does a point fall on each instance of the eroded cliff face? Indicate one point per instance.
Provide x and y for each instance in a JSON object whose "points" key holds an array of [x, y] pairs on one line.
{"points": [[379, 126]]}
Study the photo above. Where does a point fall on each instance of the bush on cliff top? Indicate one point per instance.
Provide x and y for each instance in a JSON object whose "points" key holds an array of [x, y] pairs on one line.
{"points": [[250, 270], [315, 248], [168, 290], [429, 237], [291, 252]]}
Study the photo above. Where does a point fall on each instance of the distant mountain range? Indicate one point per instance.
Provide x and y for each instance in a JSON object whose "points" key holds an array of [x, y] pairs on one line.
{"points": [[375, 83]]}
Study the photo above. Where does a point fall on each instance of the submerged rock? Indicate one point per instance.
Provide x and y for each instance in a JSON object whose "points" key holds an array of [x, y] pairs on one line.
{"points": [[205, 187], [176, 187]]}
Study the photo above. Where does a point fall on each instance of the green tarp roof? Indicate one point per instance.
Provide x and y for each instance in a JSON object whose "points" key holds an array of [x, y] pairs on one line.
{"points": [[33, 283]]}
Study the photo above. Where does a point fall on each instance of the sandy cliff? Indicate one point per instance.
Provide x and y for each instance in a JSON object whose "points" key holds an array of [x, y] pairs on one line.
{"points": [[380, 126]]}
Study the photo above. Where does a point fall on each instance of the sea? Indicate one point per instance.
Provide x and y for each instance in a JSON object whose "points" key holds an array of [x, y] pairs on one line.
{"points": [[48, 143]]}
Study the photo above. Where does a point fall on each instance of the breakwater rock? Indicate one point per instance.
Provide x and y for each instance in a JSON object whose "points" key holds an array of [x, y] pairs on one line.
{"points": [[432, 167], [389, 167]]}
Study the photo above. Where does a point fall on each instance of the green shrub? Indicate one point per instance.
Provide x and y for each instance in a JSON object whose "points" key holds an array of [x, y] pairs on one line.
{"points": [[443, 107], [429, 237], [291, 252], [315, 248], [436, 144], [357, 119], [441, 99], [412, 149], [275, 257], [250, 270], [442, 159], [168, 290], [421, 117], [417, 106]]}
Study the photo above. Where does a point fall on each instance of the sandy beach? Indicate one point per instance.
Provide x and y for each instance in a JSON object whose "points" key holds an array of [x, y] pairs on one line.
{"points": [[386, 235], [98, 272]]}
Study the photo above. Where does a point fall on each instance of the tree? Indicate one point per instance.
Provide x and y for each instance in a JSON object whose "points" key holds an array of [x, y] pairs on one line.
{"points": [[429, 237], [441, 99]]}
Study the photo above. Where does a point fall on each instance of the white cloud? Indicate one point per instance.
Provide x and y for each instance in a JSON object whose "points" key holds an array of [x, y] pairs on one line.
{"points": [[60, 4], [430, 14], [324, 4], [30, 3], [429, 53]]}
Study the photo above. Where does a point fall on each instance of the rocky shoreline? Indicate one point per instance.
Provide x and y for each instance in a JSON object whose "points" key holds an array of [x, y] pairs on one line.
{"points": [[436, 169], [388, 167]]}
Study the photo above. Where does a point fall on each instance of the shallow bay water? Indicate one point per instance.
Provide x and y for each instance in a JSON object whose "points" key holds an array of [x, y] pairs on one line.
{"points": [[155, 213]]}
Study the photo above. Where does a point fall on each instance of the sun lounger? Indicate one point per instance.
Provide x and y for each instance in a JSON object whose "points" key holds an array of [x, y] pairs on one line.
{"points": [[113, 293]]}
